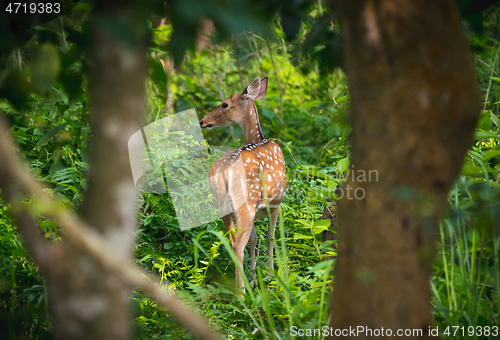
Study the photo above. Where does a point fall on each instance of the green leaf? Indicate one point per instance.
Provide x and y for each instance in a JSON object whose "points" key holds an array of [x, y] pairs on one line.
{"points": [[474, 153], [320, 226], [343, 99], [268, 113], [343, 165], [280, 33], [334, 92], [490, 154], [158, 74], [72, 188], [484, 122], [311, 104], [57, 166], [51, 101], [494, 118], [299, 245], [319, 266], [157, 50], [319, 174], [304, 223], [45, 64], [51, 134], [63, 96], [490, 134], [301, 237], [318, 194], [495, 79], [473, 171]]}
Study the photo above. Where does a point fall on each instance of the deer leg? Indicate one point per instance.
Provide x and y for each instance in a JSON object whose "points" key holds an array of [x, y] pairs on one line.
{"points": [[252, 242], [270, 239], [245, 226], [229, 225]]}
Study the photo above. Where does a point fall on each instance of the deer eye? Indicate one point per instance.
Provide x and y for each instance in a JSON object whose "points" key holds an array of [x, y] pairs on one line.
{"points": [[224, 105]]}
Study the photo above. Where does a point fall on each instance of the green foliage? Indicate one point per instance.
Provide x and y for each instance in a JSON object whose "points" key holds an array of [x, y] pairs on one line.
{"points": [[466, 280], [43, 90], [298, 290], [50, 127], [315, 130], [23, 293]]}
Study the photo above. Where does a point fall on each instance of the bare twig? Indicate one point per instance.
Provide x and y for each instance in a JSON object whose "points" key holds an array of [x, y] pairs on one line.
{"points": [[19, 59], [492, 71], [465, 187], [233, 137], [82, 236], [240, 73], [262, 50], [26, 225], [63, 34], [279, 87], [169, 105], [257, 55], [251, 54], [168, 65]]}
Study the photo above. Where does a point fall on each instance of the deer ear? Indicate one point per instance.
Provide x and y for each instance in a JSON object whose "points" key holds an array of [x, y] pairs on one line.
{"points": [[253, 89], [263, 88]]}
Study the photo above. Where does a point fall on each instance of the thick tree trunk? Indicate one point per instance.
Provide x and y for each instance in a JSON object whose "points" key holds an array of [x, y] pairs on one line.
{"points": [[414, 103], [89, 302], [90, 272]]}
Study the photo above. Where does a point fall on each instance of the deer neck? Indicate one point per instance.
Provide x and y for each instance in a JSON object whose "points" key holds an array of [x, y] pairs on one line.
{"points": [[251, 126]]}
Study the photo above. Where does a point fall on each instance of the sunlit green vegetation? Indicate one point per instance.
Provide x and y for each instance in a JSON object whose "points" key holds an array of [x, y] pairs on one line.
{"points": [[52, 131]]}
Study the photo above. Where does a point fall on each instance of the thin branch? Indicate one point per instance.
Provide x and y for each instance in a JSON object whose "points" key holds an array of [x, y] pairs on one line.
{"points": [[63, 34], [169, 104], [168, 65], [491, 10], [279, 87], [257, 55], [26, 225], [87, 239], [233, 137], [491, 76], [240, 73], [19, 59], [262, 50], [251, 54]]}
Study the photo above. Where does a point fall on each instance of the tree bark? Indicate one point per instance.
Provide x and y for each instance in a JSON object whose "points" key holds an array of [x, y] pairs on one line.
{"points": [[88, 301], [414, 105], [90, 272]]}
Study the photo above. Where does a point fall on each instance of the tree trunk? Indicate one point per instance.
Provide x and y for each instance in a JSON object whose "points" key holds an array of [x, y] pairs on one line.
{"points": [[89, 302], [414, 105]]}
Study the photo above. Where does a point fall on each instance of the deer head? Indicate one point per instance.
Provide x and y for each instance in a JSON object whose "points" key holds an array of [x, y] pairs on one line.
{"points": [[237, 108]]}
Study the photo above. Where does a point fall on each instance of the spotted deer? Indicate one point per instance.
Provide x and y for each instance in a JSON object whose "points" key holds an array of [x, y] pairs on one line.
{"points": [[235, 179]]}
